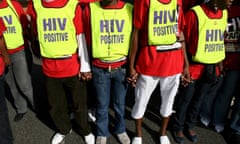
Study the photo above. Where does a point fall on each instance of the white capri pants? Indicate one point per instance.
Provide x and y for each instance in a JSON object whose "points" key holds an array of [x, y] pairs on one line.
{"points": [[144, 88]]}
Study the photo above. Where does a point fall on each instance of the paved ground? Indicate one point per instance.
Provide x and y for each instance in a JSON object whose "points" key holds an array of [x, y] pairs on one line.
{"points": [[37, 129]]}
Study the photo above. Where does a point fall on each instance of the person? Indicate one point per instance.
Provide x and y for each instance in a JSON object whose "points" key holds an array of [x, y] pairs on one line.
{"points": [[204, 32], [6, 136], [17, 76], [161, 59], [110, 22], [64, 61], [215, 111]]}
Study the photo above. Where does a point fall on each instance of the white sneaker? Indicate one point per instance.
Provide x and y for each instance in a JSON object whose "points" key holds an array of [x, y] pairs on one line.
{"points": [[89, 139], [204, 121], [219, 128], [91, 115], [58, 139], [101, 140], [123, 138], [164, 140], [137, 140]]}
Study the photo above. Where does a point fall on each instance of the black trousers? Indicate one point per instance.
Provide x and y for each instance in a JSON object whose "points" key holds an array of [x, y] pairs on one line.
{"points": [[67, 95]]}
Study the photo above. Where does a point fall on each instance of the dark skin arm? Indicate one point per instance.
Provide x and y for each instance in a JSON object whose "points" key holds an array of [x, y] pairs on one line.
{"points": [[133, 75], [185, 78], [3, 49]]}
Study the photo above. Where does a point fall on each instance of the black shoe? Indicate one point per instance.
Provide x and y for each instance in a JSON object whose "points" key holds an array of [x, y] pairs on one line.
{"points": [[192, 138], [178, 139], [19, 116]]}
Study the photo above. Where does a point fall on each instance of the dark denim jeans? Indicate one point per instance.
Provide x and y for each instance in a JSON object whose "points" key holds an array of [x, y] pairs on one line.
{"points": [[110, 85], [235, 117], [6, 136], [188, 104], [209, 102]]}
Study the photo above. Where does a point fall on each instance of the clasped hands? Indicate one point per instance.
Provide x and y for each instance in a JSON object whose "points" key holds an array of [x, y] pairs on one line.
{"points": [[85, 76]]}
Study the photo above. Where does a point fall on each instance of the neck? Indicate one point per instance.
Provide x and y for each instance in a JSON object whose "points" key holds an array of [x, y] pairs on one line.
{"points": [[109, 2], [212, 6], [48, 0]]}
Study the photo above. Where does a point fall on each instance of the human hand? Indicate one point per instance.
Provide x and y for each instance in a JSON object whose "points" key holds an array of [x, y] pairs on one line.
{"points": [[85, 76], [132, 78], [185, 77]]}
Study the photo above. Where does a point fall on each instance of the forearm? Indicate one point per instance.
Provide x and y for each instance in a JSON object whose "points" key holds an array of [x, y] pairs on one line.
{"points": [[83, 53]]}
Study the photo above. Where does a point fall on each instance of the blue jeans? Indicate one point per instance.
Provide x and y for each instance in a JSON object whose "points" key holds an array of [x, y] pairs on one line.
{"points": [[6, 136], [224, 97], [19, 81], [110, 85], [188, 104]]}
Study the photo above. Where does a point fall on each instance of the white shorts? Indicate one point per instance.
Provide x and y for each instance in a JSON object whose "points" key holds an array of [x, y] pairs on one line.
{"points": [[144, 88]]}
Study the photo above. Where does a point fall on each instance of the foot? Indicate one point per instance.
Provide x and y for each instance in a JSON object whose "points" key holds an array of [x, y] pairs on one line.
{"points": [[164, 140], [192, 135], [58, 138], [179, 137], [137, 140], [101, 140], [19, 116], [89, 139], [219, 128], [123, 138]]}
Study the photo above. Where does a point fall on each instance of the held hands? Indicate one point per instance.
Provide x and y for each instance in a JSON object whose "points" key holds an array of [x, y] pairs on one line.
{"points": [[185, 77], [85, 76], [132, 78]]}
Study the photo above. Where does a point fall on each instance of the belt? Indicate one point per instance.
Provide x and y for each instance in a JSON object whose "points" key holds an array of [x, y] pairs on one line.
{"points": [[110, 69]]}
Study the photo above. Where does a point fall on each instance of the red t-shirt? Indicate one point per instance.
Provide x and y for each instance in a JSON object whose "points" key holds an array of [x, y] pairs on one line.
{"points": [[87, 25], [232, 60], [23, 20], [191, 37], [151, 62], [2, 64], [65, 67]]}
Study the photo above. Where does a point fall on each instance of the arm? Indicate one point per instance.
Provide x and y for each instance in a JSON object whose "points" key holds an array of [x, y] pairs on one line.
{"points": [[85, 70], [185, 78], [132, 57], [4, 52]]}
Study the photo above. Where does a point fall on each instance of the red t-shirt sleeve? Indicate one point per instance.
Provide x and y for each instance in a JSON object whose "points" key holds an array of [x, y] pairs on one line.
{"points": [[87, 25], [191, 32], [140, 12], [2, 27], [78, 20]]}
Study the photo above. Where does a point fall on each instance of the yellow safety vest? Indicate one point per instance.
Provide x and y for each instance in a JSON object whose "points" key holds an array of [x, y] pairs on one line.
{"points": [[162, 23], [111, 31], [210, 48], [56, 30], [14, 34]]}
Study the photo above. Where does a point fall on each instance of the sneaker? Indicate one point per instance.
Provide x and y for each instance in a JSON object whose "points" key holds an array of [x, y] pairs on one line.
{"points": [[204, 121], [164, 140], [101, 140], [137, 140], [123, 138], [219, 128], [58, 139], [89, 139], [91, 116], [19, 116]]}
